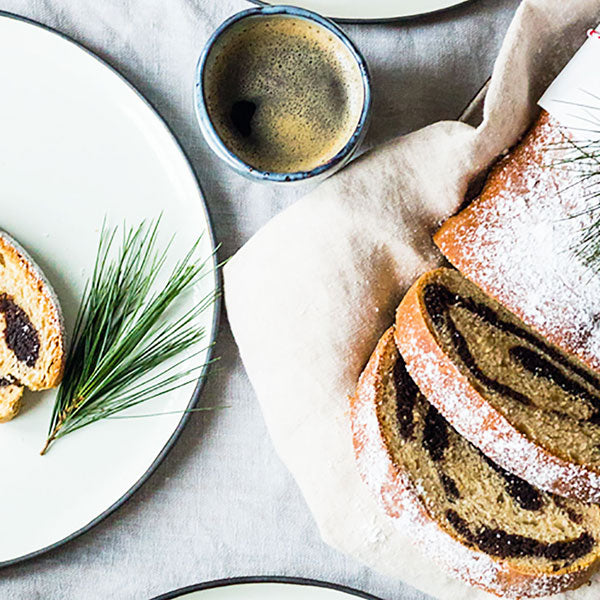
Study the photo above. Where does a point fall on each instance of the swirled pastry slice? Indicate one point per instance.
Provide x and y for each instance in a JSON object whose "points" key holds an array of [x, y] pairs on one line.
{"points": [[529, 406], [32, 341], [479, 522]]}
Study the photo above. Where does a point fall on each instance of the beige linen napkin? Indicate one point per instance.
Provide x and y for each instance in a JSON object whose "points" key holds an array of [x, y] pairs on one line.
{"points": [[309, 295]]}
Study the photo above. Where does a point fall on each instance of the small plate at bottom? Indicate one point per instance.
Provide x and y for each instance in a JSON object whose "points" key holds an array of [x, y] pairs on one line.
{"points": [[265, 588]]}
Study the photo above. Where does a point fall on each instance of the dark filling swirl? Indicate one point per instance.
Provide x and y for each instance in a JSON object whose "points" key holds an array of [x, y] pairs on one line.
{"points": [[406, 396], [437, 436], [20, 334], [497, 542], [545, 362], [436, 440], [7, 380], [523, 493]]}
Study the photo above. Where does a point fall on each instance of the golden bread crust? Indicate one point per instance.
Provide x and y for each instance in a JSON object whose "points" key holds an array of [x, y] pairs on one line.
{"points": [[441, 381], [44, 313], [516, 176], [400, 499], [24, 287]]}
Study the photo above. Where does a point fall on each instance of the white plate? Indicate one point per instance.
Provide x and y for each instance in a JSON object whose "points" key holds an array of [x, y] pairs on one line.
{"points": [[78, 143], [371, 10], [265, 590]]}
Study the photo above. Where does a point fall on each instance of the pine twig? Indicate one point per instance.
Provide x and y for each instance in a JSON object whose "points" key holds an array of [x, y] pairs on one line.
{"points": [[123, 333]]}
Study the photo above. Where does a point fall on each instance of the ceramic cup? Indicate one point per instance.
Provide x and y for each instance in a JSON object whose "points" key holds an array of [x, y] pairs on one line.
{"points": [[216, 143]]}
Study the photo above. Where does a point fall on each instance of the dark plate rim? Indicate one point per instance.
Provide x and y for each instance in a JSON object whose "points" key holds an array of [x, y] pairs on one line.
{"points": [[375, 21], [214, 325], [232, 581]]}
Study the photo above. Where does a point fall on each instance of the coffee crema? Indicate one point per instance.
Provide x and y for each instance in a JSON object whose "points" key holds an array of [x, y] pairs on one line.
{"points": [[283, 93]]}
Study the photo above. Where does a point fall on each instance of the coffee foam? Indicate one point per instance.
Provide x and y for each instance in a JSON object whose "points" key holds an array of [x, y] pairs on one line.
{"points": [[302, 79]]}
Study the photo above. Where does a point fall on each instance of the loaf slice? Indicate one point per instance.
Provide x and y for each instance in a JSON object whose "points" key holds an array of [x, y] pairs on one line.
{"points": [[480, 523], [519, 241], [527, 405], [32, 342], [10, 398]]}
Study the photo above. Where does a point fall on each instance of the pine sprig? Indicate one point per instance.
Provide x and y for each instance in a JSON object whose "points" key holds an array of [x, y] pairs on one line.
{"points": [[123, 332], [582, 158]]}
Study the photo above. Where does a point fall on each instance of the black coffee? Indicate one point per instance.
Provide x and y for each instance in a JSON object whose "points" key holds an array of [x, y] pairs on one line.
{"points": [[283, 93]]}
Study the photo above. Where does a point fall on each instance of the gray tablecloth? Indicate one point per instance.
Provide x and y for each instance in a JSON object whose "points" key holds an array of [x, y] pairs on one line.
{"points": [[222, 504]]}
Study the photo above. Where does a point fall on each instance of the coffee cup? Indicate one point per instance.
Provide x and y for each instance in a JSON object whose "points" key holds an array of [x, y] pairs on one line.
{"points": [[282, 94]]}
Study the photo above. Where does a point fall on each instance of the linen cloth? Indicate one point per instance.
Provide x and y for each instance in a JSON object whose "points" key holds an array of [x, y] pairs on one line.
{"points": [[222, 504], [310, 294]]}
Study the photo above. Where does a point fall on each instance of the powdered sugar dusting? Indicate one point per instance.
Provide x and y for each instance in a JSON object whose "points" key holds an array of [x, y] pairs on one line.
{"points": [[519, 245], [376, 464], [476, 420], [401, 498]]}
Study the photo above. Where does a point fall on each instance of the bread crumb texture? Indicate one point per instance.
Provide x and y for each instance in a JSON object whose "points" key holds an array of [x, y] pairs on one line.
{"points": [[32, 338]]}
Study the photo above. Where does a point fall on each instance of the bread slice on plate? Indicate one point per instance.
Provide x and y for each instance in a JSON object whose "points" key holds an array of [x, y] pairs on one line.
{"points": [[526, 404], [32, 339], [479, 522]]}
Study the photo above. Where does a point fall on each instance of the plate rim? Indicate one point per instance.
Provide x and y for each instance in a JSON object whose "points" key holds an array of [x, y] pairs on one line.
{"points": [[214, 327], [380, 20], [233, 581]]}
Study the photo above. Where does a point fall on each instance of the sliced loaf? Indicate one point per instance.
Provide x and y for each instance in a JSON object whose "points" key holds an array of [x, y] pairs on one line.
{"points": [[526, 404], [480, 523]]}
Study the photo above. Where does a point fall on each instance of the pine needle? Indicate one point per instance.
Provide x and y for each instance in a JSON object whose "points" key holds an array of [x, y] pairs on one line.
{"points": [[582, 157], [123, 332]]}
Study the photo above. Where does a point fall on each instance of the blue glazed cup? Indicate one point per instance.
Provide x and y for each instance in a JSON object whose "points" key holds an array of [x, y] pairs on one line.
{"points": [[235, 162]]}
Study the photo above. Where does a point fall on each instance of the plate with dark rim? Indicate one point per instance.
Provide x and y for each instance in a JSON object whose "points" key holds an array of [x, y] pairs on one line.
{"points": [[80, 145], [265, 588], [371, 10]]}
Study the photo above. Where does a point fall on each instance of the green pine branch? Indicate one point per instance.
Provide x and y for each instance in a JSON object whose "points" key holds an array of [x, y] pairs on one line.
{"points": [[123, 332]]}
